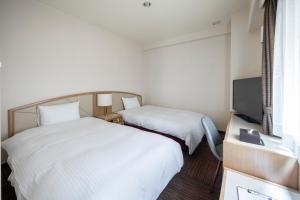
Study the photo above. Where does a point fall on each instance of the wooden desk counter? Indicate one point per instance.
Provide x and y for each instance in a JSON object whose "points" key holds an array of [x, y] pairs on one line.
{"points": [[232, 179], [271, 162]]}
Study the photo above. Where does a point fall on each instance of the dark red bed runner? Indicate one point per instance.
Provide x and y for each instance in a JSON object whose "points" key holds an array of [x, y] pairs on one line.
{"points": [[184, 147]]}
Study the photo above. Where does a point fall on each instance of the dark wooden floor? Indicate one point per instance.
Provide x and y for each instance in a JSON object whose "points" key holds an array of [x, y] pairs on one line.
{"points": [[192, 183]]}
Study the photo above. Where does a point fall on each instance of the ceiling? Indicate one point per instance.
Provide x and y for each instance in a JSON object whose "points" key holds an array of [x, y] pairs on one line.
{"points": [[163, 20]]}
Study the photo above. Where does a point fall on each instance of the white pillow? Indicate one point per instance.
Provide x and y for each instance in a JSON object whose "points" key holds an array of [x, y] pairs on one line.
{"points": [[58, 113], [131, 102]]}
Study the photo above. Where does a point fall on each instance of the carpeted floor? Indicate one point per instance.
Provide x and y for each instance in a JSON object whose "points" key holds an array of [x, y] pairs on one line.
{"points": [[192, 183]]}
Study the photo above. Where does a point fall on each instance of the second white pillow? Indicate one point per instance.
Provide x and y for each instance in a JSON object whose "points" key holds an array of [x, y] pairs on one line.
{"points": [[131, 102]]}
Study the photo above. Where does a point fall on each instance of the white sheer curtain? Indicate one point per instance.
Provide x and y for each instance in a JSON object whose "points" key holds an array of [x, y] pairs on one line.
{"points": [[286, 74]]}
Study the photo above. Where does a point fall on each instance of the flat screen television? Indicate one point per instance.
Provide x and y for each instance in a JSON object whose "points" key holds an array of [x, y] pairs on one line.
{"points": [[247, 99]]}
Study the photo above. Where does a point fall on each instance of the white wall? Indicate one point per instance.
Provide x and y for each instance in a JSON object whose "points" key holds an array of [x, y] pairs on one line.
{"points": [[192, 75], [46, 53], [246, 49], [198, 75]]}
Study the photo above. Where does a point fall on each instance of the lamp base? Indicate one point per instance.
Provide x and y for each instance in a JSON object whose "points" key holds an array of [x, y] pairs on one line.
{"points": [[107, 110]]}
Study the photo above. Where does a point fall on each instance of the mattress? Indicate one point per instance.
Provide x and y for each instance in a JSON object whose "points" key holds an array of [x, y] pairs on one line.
{"points": [[91, 159], [183, 124]]}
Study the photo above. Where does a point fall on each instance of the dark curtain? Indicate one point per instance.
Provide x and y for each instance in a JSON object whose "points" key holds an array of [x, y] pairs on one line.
{"points": [[267, 63]]}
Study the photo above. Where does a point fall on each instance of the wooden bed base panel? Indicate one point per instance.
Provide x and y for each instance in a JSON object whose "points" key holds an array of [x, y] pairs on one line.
{"points": [[184, 147]]}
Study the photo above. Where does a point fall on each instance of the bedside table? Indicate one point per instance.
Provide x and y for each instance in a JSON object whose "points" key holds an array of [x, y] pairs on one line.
{"points": [[112, 117]]}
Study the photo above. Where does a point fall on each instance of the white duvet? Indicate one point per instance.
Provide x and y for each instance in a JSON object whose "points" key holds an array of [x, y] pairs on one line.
{"points": [[185, 125], [91, 159]]}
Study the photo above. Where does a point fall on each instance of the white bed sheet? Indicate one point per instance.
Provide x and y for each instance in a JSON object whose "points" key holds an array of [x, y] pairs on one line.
{"points": [[91, 159], [183, 124]]}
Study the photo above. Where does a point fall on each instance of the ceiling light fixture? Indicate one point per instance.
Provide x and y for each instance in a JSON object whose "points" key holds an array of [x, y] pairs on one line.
{"points": [[147, 4]]}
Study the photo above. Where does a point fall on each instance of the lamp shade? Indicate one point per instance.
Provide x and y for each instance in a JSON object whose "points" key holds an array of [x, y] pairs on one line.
{"points": [[104, 99]]}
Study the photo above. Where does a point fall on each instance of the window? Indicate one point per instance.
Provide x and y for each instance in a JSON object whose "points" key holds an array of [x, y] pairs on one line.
{"points": [[286, 74]]}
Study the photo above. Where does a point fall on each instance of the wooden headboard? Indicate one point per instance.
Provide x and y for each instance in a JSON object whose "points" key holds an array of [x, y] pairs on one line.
{"points": [[26, 116]]}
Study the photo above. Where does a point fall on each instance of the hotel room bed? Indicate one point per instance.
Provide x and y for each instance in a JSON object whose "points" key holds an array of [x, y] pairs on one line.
{"points": [[182, 124], [90, 158]]}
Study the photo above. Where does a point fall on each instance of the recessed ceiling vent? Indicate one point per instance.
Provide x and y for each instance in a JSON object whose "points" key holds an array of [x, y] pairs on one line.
{"points": [[214, 23]]}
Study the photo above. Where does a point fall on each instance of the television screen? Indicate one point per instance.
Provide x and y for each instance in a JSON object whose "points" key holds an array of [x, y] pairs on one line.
{"points": [[247, 98]]}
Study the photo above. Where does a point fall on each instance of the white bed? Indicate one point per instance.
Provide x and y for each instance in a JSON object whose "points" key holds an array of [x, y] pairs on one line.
{"points": [[91, 159], [185, 125]]}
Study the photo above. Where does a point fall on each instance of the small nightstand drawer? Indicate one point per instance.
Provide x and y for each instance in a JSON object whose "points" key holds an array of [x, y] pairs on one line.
{"points": [[118, 120], [112, 117]]}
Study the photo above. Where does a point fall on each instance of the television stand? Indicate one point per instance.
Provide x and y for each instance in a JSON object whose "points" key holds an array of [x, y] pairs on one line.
{"points": [[246, 118]]}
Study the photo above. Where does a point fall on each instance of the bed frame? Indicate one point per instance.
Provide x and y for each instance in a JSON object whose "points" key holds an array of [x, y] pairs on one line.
{"points": [[26, 116]]}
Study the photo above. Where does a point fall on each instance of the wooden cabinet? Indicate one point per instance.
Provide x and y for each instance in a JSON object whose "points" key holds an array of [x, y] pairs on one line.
{"points": [[272, 162]]}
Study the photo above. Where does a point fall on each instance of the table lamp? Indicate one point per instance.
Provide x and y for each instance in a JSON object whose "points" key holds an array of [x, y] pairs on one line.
{"points": [[104, 100]]}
